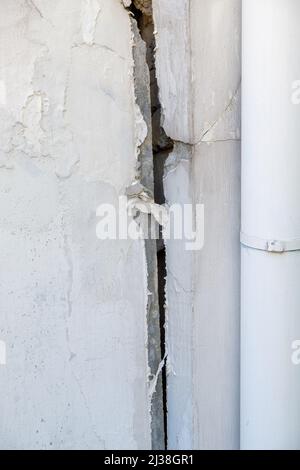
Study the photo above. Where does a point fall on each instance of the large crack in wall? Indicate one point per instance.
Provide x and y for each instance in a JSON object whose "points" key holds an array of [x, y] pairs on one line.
{"points": [[153, 154], [200, 96]]}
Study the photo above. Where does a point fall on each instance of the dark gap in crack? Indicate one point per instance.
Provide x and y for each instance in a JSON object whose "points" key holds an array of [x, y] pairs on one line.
{"points": [[162, 146], [162, 273]]}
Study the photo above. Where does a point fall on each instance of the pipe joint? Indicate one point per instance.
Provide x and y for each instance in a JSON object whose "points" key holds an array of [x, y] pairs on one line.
{"points": [[271, 246]]}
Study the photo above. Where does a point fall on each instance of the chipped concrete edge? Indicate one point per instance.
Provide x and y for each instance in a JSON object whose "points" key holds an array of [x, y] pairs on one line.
{"points": [[142, 189]]}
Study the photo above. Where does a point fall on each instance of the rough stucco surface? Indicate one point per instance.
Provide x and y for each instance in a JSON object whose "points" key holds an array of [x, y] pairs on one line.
{"points": [[203, 297], [72, 307]]}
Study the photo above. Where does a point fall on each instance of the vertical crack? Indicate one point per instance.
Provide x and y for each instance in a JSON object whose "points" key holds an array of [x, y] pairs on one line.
{"points": [[154, 153]]}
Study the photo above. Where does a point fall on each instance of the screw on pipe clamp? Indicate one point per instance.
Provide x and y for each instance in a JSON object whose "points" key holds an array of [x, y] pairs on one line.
{"points": [[271, 246]]}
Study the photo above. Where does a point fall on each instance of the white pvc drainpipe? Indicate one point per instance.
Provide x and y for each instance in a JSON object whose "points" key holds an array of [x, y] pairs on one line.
{"points": [[270, 382]]}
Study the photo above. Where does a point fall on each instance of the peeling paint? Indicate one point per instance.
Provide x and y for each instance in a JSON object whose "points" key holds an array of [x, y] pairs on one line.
{"points": [[74, 321], [153, 382], [141, 205]]}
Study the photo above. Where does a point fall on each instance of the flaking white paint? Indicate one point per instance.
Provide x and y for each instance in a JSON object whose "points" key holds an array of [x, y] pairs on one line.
{"points": [[72, 308]]}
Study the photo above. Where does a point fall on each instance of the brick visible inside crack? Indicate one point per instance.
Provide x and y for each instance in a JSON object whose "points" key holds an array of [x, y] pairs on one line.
{"points": [[144, 6]]}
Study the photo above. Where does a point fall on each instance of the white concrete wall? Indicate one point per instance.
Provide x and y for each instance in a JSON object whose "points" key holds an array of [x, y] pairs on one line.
{"points": [[198, 62], [72, 308]]}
